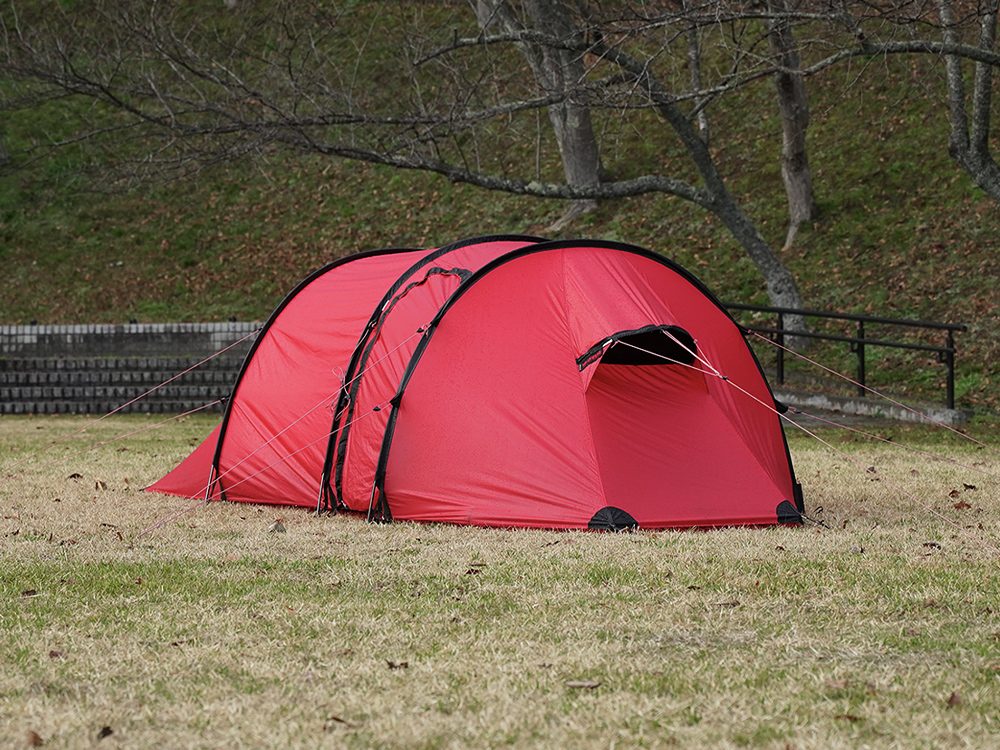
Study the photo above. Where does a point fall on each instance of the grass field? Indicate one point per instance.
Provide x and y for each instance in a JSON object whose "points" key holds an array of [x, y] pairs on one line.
{"points": [[879, 629]]}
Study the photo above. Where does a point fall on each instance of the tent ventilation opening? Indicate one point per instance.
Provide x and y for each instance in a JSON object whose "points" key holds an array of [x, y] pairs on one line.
{"points": [[652, 345]]}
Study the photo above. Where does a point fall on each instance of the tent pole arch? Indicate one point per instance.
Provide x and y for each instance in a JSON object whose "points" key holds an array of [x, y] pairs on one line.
{"points": [[380, 509], [216, 478], [331, 482]]}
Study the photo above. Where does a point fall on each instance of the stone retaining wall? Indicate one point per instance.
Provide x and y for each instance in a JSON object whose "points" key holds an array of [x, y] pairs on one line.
{"points": [[95, 369]]}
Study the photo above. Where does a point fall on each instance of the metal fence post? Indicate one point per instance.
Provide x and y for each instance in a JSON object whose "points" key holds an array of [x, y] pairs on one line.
{"points": [[780, 338], [950, 364], [860, 349]]}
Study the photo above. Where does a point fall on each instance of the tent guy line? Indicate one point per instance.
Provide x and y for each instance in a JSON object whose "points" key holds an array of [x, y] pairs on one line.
{"points": [[717, 373], [329, 399], [185, 508], [897, 444], [866, 470], [141, 396], [512, 415], [910, 496], [875, 393], [103, 443], [205, 500]]}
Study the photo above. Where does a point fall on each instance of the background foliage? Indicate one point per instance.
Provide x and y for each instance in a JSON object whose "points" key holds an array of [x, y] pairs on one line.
{"points": [[902, 231]]}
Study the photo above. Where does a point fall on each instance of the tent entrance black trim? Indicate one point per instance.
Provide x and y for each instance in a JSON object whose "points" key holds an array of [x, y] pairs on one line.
{"points": [[650, 345]]}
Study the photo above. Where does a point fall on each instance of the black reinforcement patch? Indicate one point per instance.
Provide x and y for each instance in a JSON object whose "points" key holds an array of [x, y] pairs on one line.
{"points": [[611, 518], [787, 513]]}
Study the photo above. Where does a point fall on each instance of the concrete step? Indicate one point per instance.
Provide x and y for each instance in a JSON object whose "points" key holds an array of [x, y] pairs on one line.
{"points": [[41, 385]]}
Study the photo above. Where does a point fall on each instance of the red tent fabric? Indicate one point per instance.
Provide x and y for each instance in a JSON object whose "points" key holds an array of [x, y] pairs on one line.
{"points": [[503, 381]]}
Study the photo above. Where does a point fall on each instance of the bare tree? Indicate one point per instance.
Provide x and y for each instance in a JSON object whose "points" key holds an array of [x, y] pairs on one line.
{"points": [[793, 104], [171, 93], [198, 94], [692, 33], [934, 29], [560, 72], [969, 143], [715, 196]]}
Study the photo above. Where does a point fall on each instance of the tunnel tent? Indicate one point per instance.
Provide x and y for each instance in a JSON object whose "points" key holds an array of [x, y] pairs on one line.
{"points": [[503, 381]]}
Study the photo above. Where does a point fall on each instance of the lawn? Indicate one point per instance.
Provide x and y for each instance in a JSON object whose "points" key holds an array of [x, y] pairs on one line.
{"points": [[126, 623]]}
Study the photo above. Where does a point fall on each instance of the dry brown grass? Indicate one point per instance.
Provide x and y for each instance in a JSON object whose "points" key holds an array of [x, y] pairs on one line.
{"points": [[880, 630]]}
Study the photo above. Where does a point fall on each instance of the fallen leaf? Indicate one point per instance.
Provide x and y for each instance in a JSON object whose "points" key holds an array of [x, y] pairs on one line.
{"points": [[849, 717], [338, 720], [29, 593], [583, 684], [953, 493], [733, 603], [75, 475], [106, 731], [55, 654], [276, 528], [962, 505], [34, 740], [954, 699], [968, 486], [400, 665], [100, 485]]}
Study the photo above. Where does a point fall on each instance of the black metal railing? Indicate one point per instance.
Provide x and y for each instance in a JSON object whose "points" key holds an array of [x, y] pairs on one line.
{"points": [[859, 342]]}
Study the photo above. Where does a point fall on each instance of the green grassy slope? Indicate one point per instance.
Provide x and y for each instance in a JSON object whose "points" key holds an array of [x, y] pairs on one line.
{"points": [[903, 232]]}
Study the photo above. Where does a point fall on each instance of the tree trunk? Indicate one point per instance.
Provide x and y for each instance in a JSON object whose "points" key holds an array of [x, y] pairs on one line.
{"points": [[558, 71], [694, 65], [782, 289], [972, 149], [793, 104]]}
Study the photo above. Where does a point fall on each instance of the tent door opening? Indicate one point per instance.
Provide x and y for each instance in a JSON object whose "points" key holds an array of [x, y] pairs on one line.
{"points": [[658, 433]]}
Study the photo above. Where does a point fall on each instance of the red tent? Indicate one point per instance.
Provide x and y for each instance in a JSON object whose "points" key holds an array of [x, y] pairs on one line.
{"points": [[503, 381]]}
